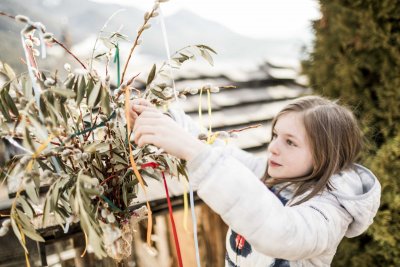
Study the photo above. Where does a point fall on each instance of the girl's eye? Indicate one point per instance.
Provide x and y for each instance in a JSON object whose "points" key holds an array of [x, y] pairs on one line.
{"points": [[290, 143]]}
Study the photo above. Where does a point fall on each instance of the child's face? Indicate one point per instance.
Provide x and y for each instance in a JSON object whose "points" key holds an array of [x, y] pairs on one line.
{"points": [[289, 151]]}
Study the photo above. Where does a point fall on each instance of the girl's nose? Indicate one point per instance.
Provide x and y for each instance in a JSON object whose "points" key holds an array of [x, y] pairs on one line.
{"points": [[273, 147]]}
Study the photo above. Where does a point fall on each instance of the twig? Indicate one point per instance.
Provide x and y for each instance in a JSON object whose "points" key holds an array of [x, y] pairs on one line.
{"points": [[7, 15], [108, 178], [69, 52], [245, 128], [98, 36], [146, 19], [127, 84], [54, 39]]}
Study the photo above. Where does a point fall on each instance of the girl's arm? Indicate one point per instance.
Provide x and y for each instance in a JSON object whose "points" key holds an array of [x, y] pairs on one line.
{"points": [[256, 164], [245, 204]]}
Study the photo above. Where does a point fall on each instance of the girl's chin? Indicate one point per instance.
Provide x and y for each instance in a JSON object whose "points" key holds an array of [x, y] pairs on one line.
{"points": [[274, 173]]}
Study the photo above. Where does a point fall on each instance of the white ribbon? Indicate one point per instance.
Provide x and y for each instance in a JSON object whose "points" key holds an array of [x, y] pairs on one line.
{"points": [[38, 25], [166, 44], [36, 87], [194, 219]]}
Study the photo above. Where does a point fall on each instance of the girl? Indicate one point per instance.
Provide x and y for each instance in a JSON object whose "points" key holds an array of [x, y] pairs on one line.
{"points": [[311, 193]]}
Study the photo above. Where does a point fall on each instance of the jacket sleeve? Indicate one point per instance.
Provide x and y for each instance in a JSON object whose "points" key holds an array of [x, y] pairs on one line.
{"points": [[251, 209], [256, 164]]}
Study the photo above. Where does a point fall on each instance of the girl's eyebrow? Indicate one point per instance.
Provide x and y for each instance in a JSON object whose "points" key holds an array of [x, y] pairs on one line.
{"points": [[288, 135], [292, 136]]}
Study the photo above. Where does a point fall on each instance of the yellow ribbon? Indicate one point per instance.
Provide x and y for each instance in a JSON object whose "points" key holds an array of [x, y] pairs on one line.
{"points": [[38, 151], [200, 109], [134, 167], [86, 245], [24, 242], [209, 116], [185, 206]]}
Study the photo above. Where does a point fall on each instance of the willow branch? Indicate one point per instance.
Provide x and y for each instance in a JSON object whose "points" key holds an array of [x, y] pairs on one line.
{"points": [[53, 39], [136, 42]]}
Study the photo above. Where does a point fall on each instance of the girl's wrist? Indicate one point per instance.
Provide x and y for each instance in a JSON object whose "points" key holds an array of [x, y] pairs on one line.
{"points": [[194, 149]]}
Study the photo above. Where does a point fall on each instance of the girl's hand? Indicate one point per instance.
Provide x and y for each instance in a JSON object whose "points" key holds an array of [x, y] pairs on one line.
{"points": [[153, 127], [136, 108]]}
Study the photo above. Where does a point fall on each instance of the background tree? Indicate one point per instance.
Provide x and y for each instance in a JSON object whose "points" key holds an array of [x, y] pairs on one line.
{"points": [[356, 58]]}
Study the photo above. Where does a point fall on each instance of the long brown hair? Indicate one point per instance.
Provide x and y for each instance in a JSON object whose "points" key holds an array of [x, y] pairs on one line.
{"points": [[335, 141]]}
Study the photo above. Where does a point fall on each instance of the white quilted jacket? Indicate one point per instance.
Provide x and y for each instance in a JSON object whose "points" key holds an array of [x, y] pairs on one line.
{"points": [[227, 179]]}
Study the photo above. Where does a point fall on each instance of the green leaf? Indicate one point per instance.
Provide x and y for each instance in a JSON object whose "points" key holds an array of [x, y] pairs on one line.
{"points": [[207, 47], [119, 158], [18, 234], [32, 234], [89, 87], [127, 173], [118, 167], [99, 55], [182, 58], [25, 222], [27, 87], [63, 113], [172, 166], [105, 101], [152, 74], [28, 140], [81, 89], [10, 103], [26, 206], [31, 191], [62, 212], [42, 104], [9, 71], [124, 194], [182, 170], [98, 146], [151, 175], [132, 183], [92, 191], [132, 195], [69, 83], [55, 115], [4, 109], [158, 94], [64, 92], [54, 196], [93, 97], [207, 56], [39, 130], [46, 211], [96, 243]]}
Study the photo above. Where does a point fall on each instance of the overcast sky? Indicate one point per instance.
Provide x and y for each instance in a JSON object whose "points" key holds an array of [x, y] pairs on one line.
{"points": [[255, 18]]}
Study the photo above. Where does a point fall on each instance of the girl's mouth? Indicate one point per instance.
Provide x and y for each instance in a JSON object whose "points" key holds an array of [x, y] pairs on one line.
{"points": [[274, 164]]}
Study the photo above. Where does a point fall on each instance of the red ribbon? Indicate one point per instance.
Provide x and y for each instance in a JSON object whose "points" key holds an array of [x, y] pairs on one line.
{"points": [[171, 216], [150, 164]]}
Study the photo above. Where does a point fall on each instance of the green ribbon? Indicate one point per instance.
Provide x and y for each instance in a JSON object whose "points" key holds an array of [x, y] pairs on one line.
{"points": [[113, 115], [116, 59], [112, 205]]}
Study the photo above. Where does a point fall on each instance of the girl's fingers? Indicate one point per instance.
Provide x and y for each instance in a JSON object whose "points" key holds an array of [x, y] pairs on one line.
{"points": [[146, 121], [140, 104], [137, 110], [148, 139], [150, 113], [144, 130], [141, 108], [132, 116], [141, 101]]}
